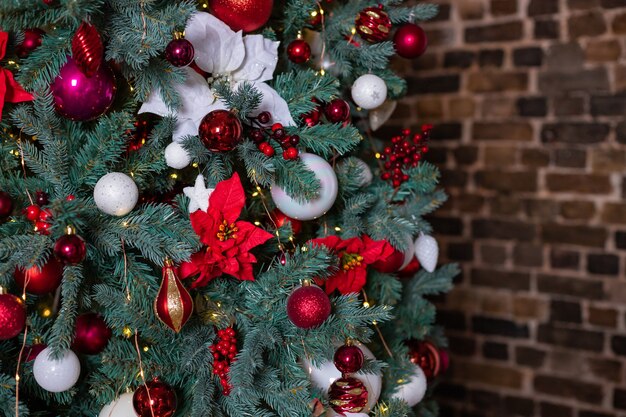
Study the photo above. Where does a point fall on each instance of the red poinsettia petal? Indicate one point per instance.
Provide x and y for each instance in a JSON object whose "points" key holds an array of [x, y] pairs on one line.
{"points": [[375, 250], [3, 90], [353, 245], [205, 225], [14, 92], [228, 198], [4, 38], [331, 242], [347, 282], [249, 236]]}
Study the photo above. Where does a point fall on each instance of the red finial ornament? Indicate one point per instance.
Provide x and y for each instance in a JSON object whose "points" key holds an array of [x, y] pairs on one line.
{"points": [[173, 304], [87, 49], [373, 24]]}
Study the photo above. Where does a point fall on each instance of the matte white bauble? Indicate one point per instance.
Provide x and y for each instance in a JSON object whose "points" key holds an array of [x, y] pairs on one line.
{"points": [[427, 252], [176, 156], [323, 375], [413, 392], [365, 172], [369, 91], [56, 375], [317, 207], [116, 194], [120, 407]]}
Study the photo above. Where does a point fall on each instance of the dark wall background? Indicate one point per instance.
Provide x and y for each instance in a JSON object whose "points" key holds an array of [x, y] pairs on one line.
{"points": [[529, 100]]}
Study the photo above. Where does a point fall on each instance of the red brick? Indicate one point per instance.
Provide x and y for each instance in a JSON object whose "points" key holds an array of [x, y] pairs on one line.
{"points": [[619, 23], [500, 279], [570, 286], [503, 7], [507, 181], [603, 51], [579, 183], [503, 131], [494, 33], [574, 235], [568, 388], [577, 210], [606, 317], [494, 375], [487, 81], [588, 24], [614, 213]]}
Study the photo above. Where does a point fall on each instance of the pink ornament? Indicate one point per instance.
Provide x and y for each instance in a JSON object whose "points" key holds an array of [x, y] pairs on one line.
{"points": [[81, 98], [92, 334], [337, 111], [348, 359], [179, 52], [70, 249], [410, 41], [32, 40]]}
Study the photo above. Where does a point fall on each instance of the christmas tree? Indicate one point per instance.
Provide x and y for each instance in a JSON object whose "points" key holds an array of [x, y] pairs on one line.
{"points": [[197, 217]]}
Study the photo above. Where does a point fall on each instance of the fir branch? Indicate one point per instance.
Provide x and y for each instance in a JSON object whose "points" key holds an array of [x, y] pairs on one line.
{"points": [[297, 180], [326, 140], [299, 87]]}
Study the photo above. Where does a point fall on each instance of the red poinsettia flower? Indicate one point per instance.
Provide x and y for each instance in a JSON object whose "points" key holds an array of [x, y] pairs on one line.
{"points": [[355, 254], [228, 240], [10, 90]]}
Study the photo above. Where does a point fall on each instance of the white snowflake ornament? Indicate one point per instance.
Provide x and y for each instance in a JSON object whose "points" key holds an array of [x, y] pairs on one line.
{"points": [[198, 195], [427, 251]]}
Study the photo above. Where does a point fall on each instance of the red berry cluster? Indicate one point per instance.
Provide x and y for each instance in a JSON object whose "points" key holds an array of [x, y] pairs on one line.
{"points": [[261, 136], [38, 215], [405, 152], [224, 352]]}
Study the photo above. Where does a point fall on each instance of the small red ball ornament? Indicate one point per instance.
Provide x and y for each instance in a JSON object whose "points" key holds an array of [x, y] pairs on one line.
{"points": [[6, 205], [373, 24], [246, 15], [347, 395], [12, 316], [70, 249], [299, 51], [91, 335], [32, 212], [32, 40], [308, 307], [337, 111], [173, 305], [87, 49], [33, 351], [155, 399], [281, 218], [410, 270], [42, 198], [220, 131], [410, 41], [425, 355], [348, 359], [179, 52], [40, 280]]}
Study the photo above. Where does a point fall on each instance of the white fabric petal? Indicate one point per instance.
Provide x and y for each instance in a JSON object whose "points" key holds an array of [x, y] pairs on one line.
{"points": [[184, 127], [260, 59], [273, 103], [218, 50], [156, 105]]}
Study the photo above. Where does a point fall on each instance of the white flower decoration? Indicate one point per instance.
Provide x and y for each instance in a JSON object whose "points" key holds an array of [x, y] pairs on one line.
{"points": [[225, 55]]}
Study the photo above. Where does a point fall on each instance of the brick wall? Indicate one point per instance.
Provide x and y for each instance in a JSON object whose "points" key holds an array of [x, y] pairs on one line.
{"points": [[529, 99]]}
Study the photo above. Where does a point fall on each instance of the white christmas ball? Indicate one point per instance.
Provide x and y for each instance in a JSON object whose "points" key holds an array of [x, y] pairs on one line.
{"points": [[120, 407], [176, 156], [365, 172], [315, 208], [369, 91], [56, 375], [412, 392], [116, 194], [427, 252], [323, 376]]}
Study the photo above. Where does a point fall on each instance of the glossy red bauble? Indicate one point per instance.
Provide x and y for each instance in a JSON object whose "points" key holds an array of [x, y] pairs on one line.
{"points": [[87, 49], [425, 355], [70, 249], [410, 270], [391, 264], [40, 281], [6, 205], [32, 40], [308, 307], [347, 395], [410, 41], [173, 305], [12, 316], [444, 359], [179, 52], [155, 399], [220, 131], [299, 51], [348, 359], [373, 24], [91, 335], [281, 218], [337, 111], [246, 15]]}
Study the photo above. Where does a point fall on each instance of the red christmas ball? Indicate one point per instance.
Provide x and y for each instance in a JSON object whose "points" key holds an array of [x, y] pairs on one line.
{"points": [[246, 15], [391, 264], [70, 249], [12, 316], [373, 24], [32, 40], [348, 359], [91, 334], [40, 280], [87, 49], [347, 395], [6, 205], [281, 218], [425, 355], [33, 351], [410, 41], [161, 401], [140, 134], [32, 212], [312, 118], [410, 270], [308, 307], [179, 52], [337, 111], [220, 131], [299, 51], [444, 360], [41, 198]]}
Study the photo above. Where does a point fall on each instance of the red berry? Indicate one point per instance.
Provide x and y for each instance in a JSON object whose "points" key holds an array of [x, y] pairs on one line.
{"points": [[406, 132], [45, 215], [269, 151], [42, 227], [232, 355], [256, 135], [276, 126], [424, 149], [396, 183], [294, 140], [264, 117], [32, 212], [279, 133], [291, 153], [70, 197]]}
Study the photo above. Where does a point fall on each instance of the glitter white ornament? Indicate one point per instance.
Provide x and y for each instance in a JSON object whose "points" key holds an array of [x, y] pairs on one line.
{"points": [[369, 91], [176, 156], [120, 407], [317, 207], [116, 194], [198, 195], [427, 252], [413, 392], [56, 375]]}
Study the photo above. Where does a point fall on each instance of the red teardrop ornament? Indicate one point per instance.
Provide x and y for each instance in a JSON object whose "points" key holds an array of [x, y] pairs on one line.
{"points": [[173, 304]]}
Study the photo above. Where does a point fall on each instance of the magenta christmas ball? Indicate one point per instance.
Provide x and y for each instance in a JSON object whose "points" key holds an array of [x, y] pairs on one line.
{"points": [[81, 98]]}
